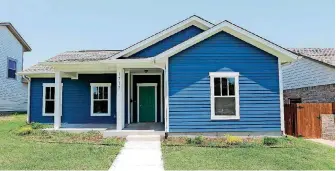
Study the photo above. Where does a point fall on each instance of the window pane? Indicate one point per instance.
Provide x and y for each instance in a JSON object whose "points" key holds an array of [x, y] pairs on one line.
{"points": [[100, 89], [49, 106], [224, 87], [105, 93], [47, 93], [52, 93], [95, 92], [225, 106], [100, 106], [12, 65], [217, 86], [231, 86], [11, 73]]}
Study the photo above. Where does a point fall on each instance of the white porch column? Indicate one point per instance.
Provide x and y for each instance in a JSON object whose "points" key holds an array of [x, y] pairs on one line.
{"points": [[120, 98], [58, 100]]}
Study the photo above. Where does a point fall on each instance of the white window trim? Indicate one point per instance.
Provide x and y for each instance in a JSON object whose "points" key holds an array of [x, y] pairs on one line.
{"points": [[44, 100], [234, 75], [109, 98]]}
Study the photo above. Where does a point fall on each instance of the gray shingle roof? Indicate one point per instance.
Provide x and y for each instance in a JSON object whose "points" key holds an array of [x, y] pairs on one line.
{"points": [[72, 56], [38, 68], [325, 55], [83, 56]]}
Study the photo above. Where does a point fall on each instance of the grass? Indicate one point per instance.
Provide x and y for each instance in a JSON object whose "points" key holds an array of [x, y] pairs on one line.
{"points": [[288, 154], [41, 150]]}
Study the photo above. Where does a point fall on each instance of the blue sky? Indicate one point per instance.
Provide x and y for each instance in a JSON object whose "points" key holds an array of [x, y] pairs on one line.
{"points": [[52, 27]]}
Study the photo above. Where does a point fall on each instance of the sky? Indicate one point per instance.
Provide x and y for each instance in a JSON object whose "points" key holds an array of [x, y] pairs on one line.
{"points": [[53, 27]]}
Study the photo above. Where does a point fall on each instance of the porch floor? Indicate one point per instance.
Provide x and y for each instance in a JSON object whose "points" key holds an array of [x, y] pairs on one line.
{"points": [[145, 126], [150, 128]]}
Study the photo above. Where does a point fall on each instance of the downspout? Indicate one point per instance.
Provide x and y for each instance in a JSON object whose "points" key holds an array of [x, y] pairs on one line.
{"points": [[28, 102]]}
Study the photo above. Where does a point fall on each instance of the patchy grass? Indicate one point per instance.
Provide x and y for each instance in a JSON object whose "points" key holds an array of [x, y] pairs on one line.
{"points": [[250, 154], [41, 150]]}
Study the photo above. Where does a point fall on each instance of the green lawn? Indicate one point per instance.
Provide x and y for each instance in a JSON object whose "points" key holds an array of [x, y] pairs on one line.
{"points": [[53, 151], [300, 154]]}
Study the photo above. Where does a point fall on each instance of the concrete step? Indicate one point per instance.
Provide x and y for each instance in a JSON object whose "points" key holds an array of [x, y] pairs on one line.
{"points": [[125, 133], [143, 138]]}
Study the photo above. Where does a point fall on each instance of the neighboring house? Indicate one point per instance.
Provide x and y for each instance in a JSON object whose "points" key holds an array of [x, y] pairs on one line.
{"points": [[13, 90], [192, 77], [311, 78]]}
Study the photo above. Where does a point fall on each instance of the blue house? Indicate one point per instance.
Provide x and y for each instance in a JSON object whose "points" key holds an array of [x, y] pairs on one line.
{"points": [[193, 77]]}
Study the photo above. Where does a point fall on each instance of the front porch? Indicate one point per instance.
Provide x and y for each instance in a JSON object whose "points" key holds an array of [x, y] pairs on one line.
{"points": [[138, 100], [108, 130]]}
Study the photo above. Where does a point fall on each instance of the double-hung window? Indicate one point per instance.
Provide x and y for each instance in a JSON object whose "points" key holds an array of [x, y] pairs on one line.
{"points": [[11, 69], [224, 95], [48, 99], [100, 99]]}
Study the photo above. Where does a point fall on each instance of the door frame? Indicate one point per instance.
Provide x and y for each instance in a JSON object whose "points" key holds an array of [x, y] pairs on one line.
{"points": [[130, 85], [138, 102]]}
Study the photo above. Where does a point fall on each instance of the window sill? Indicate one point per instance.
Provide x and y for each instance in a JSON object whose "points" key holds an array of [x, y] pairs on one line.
{"points": [[47, 114], [225, 117], [100, 114]]}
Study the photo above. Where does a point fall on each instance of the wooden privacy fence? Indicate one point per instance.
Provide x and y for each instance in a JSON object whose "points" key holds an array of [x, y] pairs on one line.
{"points": [[303, 119]]}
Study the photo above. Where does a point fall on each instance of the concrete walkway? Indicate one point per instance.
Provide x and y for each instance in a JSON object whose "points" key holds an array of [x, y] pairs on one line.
{"points": [[141, 152], [322, 141]]}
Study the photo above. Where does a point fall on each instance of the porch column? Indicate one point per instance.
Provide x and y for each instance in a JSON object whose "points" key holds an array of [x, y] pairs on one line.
{"points": [[120, 98], [58, 100]]}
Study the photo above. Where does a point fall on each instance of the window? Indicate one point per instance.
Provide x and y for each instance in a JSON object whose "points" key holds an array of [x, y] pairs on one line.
{"points": [[11, 72], [295, 100], [100, 99], [224, 95], [48, 99]]}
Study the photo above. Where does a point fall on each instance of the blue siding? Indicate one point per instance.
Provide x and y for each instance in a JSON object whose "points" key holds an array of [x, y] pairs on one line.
{"points": [[189, 86], [76, 100], [169, 42]]}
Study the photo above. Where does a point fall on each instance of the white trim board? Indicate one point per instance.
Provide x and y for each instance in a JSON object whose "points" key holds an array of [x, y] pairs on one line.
{"points": [[193, 20], [283, 54], [138, 102]]}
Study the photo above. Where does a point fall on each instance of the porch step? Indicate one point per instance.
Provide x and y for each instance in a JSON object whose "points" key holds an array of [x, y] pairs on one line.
{"points": [[143, 138], [125, 133]]}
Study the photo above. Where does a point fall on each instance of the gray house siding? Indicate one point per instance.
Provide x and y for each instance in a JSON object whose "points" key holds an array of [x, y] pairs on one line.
{"points": [[13, 93]]}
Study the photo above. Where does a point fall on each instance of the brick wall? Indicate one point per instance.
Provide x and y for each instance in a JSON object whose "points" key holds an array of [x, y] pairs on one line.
{"points": [[315, 94], [328, 126]]}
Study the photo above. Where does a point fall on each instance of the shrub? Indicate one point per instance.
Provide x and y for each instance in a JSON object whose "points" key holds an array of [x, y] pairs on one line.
{"points": [[24, 130], [189, 140], [270, 141], [199, 139], [36, 125], [233, 140]]}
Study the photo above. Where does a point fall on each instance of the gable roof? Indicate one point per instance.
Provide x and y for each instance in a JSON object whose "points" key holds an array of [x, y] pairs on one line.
{"points": [[16, 34], [243, 34], [193, 20], [324, 55]]}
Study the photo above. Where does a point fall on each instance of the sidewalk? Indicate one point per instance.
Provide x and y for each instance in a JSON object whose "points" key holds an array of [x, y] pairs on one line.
{"points": [[139, 153], [322, 141]]}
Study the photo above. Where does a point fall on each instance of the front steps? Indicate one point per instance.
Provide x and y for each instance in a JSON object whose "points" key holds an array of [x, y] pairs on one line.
{"points": [[125, 133]]}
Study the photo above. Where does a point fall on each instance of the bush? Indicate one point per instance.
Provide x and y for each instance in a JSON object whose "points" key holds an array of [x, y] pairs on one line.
{"points": [[233, 140], [270, 141], [24, 130], [199, 139], [36, 125]]}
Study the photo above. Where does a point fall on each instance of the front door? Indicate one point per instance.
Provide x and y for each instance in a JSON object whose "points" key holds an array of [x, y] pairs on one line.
{"points": [[146, 102]]}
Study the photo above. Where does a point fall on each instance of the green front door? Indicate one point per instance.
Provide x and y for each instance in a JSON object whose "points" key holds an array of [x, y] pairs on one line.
{"points": [[147, 103]]}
